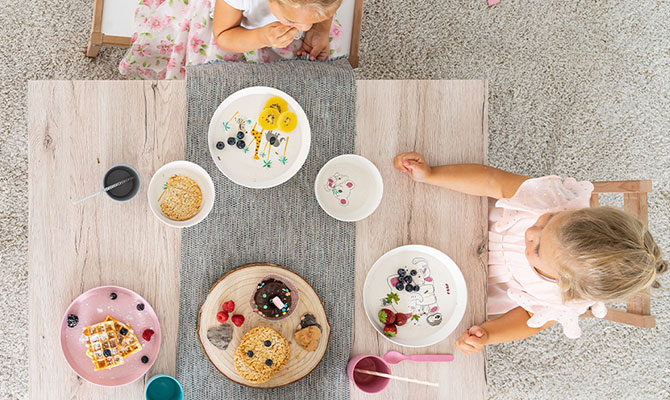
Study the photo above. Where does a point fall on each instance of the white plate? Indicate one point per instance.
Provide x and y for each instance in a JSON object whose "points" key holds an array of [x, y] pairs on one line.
{"points": [[349, 187], [182, 168], [438, 305], [240, 166]]}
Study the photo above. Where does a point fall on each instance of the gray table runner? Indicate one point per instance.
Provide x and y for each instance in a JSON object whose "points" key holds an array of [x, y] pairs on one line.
{"points": [[296, 234]]}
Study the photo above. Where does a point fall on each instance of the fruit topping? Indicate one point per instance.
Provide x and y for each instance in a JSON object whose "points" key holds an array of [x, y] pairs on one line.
{"points": [[237, 319], [268, 118], [222, 316], [228, 306], [220, 145], [113, 296], [72, 320], [277, 103], [231, 141], [390, 330], [400, 319], [145, 359], [386, 316], [287, 121], [241, 144], [140, 306], [147, 334]]}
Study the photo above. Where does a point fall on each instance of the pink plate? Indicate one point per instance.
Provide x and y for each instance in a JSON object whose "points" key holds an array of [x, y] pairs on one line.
{"points": [[92, 307]]}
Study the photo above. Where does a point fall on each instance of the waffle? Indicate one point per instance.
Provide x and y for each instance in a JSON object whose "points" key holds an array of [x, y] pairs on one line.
{"points": [[106, 335]]}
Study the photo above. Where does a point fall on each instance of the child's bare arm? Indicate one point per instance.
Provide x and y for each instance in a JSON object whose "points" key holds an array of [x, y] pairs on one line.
{"points": [[474, 179], [509, 327], [230, 36]]}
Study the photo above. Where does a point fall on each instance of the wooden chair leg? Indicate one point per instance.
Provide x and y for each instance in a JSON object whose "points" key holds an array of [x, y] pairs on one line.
{"points": [[94, 44]]}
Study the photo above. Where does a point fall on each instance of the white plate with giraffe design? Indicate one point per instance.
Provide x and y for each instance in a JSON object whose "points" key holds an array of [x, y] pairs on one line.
{"points": [[249, 154], [425, 286]]}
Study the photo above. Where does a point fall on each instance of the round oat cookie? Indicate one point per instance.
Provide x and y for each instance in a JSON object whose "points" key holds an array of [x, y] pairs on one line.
{"points": [[182, 198], [261, 354]]}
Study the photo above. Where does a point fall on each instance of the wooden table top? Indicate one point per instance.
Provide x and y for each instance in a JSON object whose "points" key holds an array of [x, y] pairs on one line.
{"points": [[77, 130]]}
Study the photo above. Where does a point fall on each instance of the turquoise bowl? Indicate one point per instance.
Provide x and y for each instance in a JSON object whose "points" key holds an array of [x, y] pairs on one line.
{"points": [[163, 387]]}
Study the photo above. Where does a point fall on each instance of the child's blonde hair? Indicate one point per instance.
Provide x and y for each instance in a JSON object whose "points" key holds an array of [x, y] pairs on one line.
{"points": [[323, 7], [606, 255]]}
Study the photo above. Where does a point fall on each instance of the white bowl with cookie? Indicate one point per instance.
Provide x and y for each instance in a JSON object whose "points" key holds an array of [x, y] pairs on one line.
{"points": [[181, 194]]}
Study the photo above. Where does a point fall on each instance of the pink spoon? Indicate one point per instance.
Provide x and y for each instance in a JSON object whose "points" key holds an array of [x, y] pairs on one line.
{"points": [[394, 357]]}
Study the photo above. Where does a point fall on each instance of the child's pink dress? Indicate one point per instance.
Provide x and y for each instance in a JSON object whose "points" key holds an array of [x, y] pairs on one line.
{"points": [[173, 34], [512, 282]]}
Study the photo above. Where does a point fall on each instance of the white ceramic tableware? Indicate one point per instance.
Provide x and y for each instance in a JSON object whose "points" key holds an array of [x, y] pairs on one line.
{"points": [[349, 187], [433, 310], [183, 168], [258, 164]]}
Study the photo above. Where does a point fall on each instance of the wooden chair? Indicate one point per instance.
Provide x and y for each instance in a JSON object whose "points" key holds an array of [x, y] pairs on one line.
{"points": [[638, 306], [113, 25]]}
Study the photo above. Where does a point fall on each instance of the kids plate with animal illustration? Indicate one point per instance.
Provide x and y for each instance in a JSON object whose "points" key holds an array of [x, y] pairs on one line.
{"points": [[259, 137], [415, 295]]}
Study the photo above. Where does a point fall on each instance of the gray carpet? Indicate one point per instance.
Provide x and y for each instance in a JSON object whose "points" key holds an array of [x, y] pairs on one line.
{"points": [[576, 87]]}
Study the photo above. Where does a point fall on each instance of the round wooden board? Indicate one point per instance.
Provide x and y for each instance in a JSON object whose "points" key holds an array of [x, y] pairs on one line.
{"points": [[239, 285]]}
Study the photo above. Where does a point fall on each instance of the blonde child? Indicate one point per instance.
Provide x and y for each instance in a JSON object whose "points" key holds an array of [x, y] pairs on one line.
{"points": [[245, 26], [551, 258], [172, 35]]}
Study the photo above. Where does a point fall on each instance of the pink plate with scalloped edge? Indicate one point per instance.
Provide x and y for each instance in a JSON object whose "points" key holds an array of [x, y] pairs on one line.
{"points": [[92, 307]]}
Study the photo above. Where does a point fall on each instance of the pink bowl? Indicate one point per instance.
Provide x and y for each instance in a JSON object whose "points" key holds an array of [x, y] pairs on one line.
{"points": [[368, 383]]}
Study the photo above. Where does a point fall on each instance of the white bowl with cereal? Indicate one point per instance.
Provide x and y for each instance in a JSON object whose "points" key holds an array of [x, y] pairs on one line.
{"points": [[181, 194]]}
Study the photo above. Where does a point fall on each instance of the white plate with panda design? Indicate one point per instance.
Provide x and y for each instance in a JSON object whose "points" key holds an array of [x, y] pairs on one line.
{"points": [[349, 187], [434, 303], [249, 154]]}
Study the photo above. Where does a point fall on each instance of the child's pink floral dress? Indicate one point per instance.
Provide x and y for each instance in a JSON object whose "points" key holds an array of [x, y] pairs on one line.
{"points": [[173, 34], [512, 281]]}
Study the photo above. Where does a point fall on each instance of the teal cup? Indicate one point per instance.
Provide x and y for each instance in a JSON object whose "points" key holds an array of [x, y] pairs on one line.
{"points": [[163, 387]]}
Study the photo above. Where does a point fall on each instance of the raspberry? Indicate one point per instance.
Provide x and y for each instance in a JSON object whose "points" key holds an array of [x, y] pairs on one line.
{"points": [[228, 306], [222, 316], [237, 319], [147, 334]]}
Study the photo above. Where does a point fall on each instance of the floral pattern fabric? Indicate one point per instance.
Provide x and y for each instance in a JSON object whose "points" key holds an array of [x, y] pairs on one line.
{"points": [[173, 34]]}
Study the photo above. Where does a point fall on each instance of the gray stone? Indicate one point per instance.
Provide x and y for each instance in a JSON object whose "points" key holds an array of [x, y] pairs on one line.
{"points": [[220, 336]]}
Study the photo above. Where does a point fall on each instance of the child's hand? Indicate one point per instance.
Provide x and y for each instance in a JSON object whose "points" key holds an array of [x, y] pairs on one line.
{"points": [[414, 165], [278, 35], [472, 340], [316, 43]]}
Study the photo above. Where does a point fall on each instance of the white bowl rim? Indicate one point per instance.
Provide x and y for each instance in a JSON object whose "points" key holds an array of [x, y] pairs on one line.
{"points": [[461, 296], [377, 177], [204, 209]]}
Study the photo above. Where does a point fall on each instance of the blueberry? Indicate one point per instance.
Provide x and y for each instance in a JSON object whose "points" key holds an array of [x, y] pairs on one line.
{"points": [[416, 288], [273, 140], [72, 320], [399, 286], [250, 353], [145, 359], [113, 296], [123, 331], [407, 279], [140, 307], [401, 271], [107, 353], [240, 135], [268, 362], [267, 343], [409, 288], [220, 145], [241, 144], [413, 272], [231, 141]]}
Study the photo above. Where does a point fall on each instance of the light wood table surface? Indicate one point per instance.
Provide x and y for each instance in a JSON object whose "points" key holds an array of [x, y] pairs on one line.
{"points": [[77, 130]]}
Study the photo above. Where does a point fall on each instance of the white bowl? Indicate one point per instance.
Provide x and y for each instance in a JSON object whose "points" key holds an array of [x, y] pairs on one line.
{"points": [[182, 168], [349, 187], [279, 163], [439, 304]]}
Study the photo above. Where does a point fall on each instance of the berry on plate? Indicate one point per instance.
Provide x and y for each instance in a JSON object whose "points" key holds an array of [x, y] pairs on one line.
{"points": [[386, 316], [400, 319], [147, 334], [237, 319], [228, 306], [390, 330], [222, 316]]}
